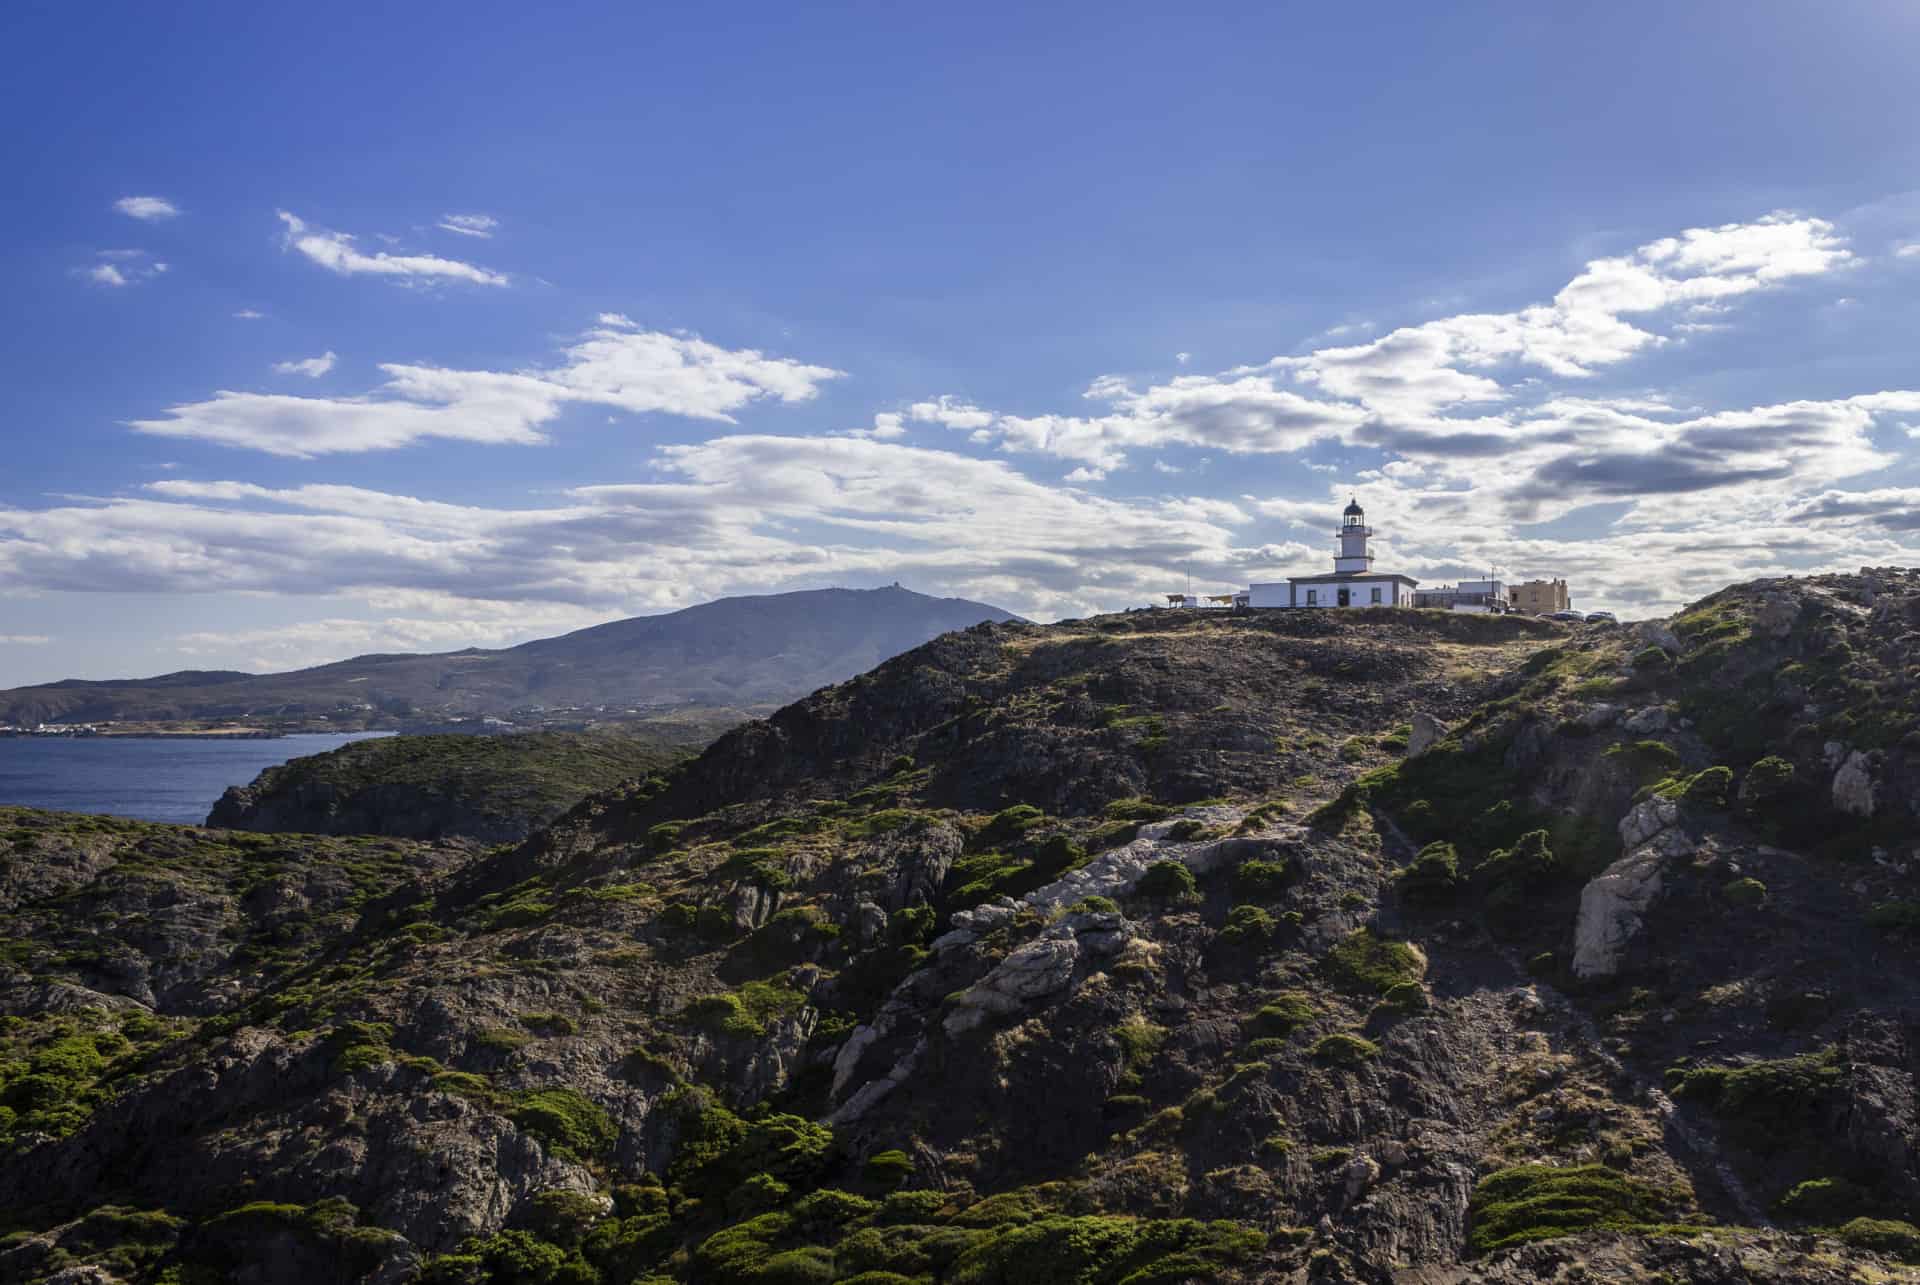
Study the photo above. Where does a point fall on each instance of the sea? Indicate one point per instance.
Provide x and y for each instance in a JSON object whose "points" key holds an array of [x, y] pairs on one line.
{"points": [[148, 779]]}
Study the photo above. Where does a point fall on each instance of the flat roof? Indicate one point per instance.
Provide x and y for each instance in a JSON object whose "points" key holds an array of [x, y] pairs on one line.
{"points": [[1335, 577]]}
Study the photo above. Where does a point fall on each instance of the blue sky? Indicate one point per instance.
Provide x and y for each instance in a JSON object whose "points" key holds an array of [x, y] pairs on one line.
{"points": [[424, 326]]}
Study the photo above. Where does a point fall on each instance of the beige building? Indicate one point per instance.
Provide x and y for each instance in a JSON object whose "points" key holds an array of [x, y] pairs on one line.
{"points": [[1538, 597]]}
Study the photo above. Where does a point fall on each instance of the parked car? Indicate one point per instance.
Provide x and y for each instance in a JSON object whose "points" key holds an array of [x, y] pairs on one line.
{"points": [[1571, 617], [1602, 618]]}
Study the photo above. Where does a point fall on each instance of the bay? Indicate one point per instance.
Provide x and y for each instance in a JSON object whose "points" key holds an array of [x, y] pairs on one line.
{"points": [[148, 779]]}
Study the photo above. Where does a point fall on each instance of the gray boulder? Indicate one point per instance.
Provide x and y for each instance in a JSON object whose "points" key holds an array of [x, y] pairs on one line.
{"points": [[1427, 732], [1856, 786], [1612, 908]]}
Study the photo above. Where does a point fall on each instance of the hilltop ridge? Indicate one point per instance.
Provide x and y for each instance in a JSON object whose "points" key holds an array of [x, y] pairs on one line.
{"points": [[1381, 946], [748, 654]]}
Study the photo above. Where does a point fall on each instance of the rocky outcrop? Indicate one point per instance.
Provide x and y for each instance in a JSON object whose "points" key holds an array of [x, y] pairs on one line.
{"points": [[486, 789], [1427, 732], [1041, 948], [1614, 905], [1856, 786]]}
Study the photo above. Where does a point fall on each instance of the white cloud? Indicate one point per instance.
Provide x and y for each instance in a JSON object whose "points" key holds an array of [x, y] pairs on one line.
{"points": [[886, 424], [25, 640], [334, 251], [311, 367], [951, 412], [634, 371], [721, 516], [1183, 357], [249, 314], [1463, 432], [148, 209], [1909, 250], [1408, 389], [1420, 370], [118, 268], [474, 225]]}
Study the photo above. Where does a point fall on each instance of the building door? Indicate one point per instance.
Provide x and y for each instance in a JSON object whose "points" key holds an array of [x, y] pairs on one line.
{"points": [[1346, 599]]}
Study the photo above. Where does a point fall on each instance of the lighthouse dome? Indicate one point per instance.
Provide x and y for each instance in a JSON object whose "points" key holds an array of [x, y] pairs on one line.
{"points": [[1353, 509]]}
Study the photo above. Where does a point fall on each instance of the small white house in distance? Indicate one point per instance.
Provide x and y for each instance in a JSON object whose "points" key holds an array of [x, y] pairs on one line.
{"points": [[1353, 581]]}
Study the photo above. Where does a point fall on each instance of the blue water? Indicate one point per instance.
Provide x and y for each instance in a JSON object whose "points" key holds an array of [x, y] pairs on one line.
{"points": [[149, 780]]}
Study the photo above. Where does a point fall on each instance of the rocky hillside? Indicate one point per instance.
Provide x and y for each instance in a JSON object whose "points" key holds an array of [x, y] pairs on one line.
{"points": [[491, 789], [746, 653], [1381, 946]]}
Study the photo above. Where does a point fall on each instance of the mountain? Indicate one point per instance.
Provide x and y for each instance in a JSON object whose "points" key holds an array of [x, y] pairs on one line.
{"points": [[1385, 946], [745, 653]]}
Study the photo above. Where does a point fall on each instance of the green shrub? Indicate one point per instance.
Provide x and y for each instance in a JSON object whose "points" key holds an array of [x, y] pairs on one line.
{"points": [[1094, 906], [1010, 823], [1406, 997], [911, 1206], [566, 1122], [361, 1057], [1883, 1236], [746, 1012], [723, 1014], [1745, 893], [1711, 788], [1344, 1049], [1246, 925], [1260, 880], [888, 1168], [1106, 1247], [1539, 1202], [1139, 1040], [1286, 1013], [501, 1039], [1652, 660], [1370, 964], [1432, 875], [1167, 881], [1058, 853], [1766, 1105], [1529, 863], [1823, 1201], [1895, 917], [1768, 783], [807, 1265], [1136, 809], [1648, 760], [1112, 835]]}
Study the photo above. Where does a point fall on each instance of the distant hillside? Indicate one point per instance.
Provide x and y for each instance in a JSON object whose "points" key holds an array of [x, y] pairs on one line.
{"points": [[747, 653], [495, 789]]}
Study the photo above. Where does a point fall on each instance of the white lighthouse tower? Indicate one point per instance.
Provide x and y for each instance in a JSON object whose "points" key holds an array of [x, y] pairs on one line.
{"points": [[1353, 558]]}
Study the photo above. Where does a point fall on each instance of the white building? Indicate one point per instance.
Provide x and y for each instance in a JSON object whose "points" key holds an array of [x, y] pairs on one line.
{"points": [[1353, 581], [1469, 595]]}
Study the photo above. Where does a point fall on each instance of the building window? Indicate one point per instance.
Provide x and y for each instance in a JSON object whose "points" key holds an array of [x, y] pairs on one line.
{"points": [[1313, 597], [1376, 597]]}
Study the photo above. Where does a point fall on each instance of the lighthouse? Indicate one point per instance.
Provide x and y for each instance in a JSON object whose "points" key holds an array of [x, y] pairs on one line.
{"points": [[1352, 583], [1353, 557]]}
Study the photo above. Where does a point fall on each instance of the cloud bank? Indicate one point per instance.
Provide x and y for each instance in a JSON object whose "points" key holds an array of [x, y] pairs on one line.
{"points": [[612, 365]]}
